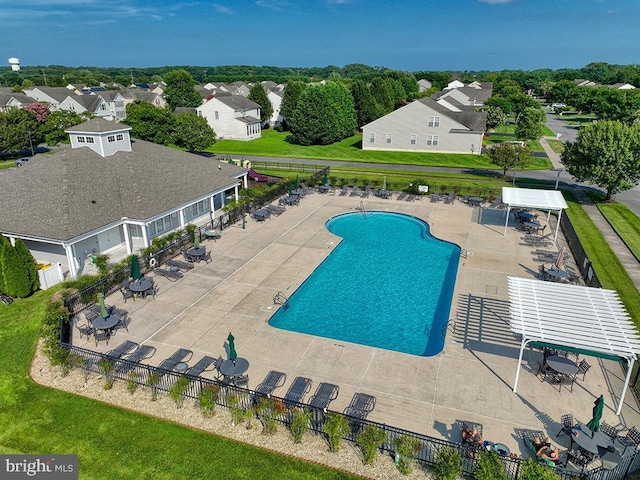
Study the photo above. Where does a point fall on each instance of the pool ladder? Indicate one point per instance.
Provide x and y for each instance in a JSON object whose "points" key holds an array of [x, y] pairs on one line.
{"points": [[280, 298], [362, 209]]}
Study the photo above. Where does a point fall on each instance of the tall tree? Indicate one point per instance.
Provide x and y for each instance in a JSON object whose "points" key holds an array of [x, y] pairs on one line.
{"points": [[193, 132], [530, 125], [258, 95], [290, 97], [363, 102], [29, 265], [180, 91], [40, 110], [506, 154], [150, 123], [495, 116], [18, 130], [606, 153], [325, 114], [16, 280], [57, 122], [382, 92]]}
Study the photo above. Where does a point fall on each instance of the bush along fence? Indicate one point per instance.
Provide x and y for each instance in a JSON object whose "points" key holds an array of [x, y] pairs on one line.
{"points": [[245, 405]]}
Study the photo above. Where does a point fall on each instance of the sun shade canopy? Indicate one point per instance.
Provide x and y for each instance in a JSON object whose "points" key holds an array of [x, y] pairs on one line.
{"points": [[590, 320], [546, 200]]}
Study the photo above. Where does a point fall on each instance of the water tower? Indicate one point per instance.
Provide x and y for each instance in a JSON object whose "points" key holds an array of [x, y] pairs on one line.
{"points": [[15, 64]]}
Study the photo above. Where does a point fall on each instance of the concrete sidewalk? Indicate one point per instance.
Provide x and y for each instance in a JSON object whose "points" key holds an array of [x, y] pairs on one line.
{"points": [[626, 257]]}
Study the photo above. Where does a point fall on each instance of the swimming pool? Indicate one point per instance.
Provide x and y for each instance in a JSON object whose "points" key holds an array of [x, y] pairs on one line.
{"points": [[388, 284]]}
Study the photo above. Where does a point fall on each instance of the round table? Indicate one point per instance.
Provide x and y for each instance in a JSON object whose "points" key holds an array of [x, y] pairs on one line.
{"points": [[141, 285], [105, 323], [501, 449], [213, 234], [181, 367], [261, 213], [233, 368], [592, 441], [562, 365], [197, 252]]}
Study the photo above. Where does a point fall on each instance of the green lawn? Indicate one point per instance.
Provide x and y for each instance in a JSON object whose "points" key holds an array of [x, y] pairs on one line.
{"points": [[274, 144], [556, 145], [624, 222], [114, 443], [605, 262], [577, 119]]}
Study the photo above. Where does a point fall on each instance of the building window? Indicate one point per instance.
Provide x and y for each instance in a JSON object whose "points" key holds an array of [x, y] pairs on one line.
{"points": [[388, 138], [111, 138], [372, 137], [434, 121], [80, 139], [413, 139], [215, 115], [90, 140], [103, 107], [119, 137], [433, 139]]}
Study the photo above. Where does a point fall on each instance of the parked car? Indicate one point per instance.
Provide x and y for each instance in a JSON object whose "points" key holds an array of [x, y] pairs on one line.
{"points": [[22, 161]]}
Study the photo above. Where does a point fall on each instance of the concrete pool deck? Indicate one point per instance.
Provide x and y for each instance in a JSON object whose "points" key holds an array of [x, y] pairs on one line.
{"points": [[472, 379]]}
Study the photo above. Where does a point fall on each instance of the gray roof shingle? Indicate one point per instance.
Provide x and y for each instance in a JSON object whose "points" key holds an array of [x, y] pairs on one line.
{"points": [[76, 191]]}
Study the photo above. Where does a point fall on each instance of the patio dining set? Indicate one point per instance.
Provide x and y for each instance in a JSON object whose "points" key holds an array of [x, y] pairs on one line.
{"points": [[102, 322], [559, 369]]}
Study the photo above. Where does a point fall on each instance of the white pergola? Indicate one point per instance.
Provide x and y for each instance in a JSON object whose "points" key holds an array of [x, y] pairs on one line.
{"points": [[546, 200], [588, 320]]}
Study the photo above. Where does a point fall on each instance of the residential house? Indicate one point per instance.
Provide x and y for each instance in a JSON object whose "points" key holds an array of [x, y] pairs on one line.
{"points": [[275, 97], [473, 95], [581, 82], [116, 105], [131, 95], [10, 100], [54, 96], [622, 86], [425, 125], [424, 85], [454, 84], [108, 194], [233, 117]]}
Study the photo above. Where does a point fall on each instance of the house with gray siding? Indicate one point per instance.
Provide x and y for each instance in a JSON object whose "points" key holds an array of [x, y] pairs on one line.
{"points": [[426, 126], [232, 117], [109, 194]]}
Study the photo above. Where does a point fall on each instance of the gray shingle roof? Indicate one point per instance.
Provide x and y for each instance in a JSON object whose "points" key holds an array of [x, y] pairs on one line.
{"points": [[75, 191], [474, 121], [98, 125], [237, 102]]}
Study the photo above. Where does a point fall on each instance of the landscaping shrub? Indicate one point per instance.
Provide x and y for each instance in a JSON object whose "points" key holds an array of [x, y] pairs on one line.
{"points": [[300, 424], [268, 409], [207, 399], [336, 427], [178, 390], [448, 464], [370, 439], [489, 467], [530, 470], [406, 449]]}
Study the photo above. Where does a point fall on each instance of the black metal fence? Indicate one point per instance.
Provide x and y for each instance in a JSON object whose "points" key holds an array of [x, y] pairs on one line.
{"points": [[584, 264], [316, 171], [230, 396]]}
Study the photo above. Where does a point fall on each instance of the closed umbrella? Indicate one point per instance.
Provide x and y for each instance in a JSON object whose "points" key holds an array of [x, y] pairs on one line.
{"points": [[384, 183], [326, 179], [135, 268], [297, 181], [289, 187], [560, 259], [598, 407], [196, 239], [103, 308], [232, 347]]}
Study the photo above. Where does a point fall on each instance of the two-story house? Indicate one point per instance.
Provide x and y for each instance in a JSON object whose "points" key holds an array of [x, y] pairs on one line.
{"points": [[233, 117]]}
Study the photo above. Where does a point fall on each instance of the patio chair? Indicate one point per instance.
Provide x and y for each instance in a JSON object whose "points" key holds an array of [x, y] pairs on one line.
{"points": [[298, 389], [360, 406], [123, 322], [91, 314], [124, 348], [567, 425], [180, 355], [401, 196], [201, 366], [578, 459], [610, 431], [631, 439], [583, 368], [546, 461], [207, 257], [355, 191], [153, 291], [272, 381], [561, 379], [127, 294], [188, 258], [543, 274], [275, 210], [85, 329], [324, 395], [216, 365], [451, 198], [367, 191], [184, 266], [141, 353], [410, 198], [100, 336], [169, 274], [344, 190], [435, 198], [241, 380]]}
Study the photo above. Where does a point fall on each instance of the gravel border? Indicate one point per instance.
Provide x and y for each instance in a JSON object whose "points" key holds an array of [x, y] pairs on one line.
{"points": [[312, 449]]}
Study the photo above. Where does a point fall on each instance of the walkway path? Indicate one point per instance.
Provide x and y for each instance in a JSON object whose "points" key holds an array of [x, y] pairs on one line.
{"points": [[628, 260]]}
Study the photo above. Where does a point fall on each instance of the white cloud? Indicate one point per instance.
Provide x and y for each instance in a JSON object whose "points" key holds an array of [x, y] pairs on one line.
{"points": [[222, 9], [277, 5], [495, 2]]}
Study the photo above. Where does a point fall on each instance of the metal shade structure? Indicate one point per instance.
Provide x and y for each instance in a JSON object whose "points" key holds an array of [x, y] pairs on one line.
{"points": [[232, 347], [135, 268], [546, 200], [598, 408], [592, 321]]}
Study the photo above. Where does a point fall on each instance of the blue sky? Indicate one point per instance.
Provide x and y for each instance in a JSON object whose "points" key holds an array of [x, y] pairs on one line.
{"points": [[410, 35]]}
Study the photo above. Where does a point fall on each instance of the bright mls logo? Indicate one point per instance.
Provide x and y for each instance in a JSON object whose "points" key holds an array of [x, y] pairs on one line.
{"points": [[58, 467]]}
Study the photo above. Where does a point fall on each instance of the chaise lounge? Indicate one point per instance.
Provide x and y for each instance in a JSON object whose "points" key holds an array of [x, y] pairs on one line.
{"points": [[272, 381], [298, 389]]}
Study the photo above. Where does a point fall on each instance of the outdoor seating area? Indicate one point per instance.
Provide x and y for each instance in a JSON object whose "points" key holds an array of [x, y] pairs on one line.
{"points": [[251, 264]]}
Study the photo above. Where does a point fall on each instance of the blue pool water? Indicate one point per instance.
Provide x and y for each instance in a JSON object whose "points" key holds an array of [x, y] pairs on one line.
{"points": [[388, 284]]}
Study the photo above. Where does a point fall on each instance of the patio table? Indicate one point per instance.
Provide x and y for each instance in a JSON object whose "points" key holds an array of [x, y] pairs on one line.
{"points": [[291, 200], [197, 252], [234, 368], [213, 234], [476, 200], [105, 323], [261, 214], [526, 215], [558, 274], [531, 226], [562, 365], [593, 442], [140, 286], [324, 188], [298, 191]]}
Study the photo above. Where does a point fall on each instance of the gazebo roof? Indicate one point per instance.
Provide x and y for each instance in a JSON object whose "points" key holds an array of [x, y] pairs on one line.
{"points": [[585, 318], [533, 198]]}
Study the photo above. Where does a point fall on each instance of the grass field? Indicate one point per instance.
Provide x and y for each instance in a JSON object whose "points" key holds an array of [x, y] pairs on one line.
{"points": [[111, 442], [556, 145], [605, 262], [624, 222], [274, 144]]}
